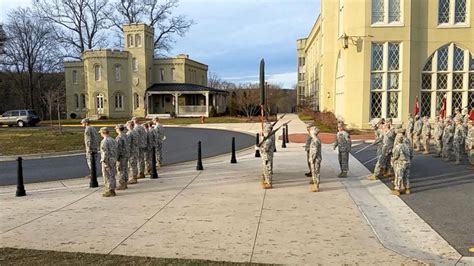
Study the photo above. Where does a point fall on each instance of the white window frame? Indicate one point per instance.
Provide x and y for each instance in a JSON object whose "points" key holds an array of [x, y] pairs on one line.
{"points": [[452, 11], [118, 101], [99, 103], [386, 22]]}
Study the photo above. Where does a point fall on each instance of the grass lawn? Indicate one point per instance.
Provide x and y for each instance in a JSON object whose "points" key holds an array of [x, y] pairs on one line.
{"points": [[12, 256]]}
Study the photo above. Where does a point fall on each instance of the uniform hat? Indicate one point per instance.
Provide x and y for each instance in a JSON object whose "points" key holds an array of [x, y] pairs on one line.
{"points": [[308, 125], [104, 130], [120, 127], [85, 121]]}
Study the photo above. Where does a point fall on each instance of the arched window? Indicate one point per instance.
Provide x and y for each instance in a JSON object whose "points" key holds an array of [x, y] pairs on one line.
{"points": [[448, 74], [130, 40], [118, 74], [118, 101], [97, 72], [138, 40], [136, 100]]}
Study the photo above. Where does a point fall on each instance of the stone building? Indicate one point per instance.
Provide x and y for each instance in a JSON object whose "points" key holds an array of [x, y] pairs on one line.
{"points": [[371, 59], [132, 82]]}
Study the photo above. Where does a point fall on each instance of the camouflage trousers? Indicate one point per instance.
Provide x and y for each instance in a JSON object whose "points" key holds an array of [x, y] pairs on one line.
{"points": [[416, 142], [148, 160], [447, 148], [315, 165], [307, 160], [470, 155], [132, 165], [410, 138], [388, 165], [141, 160], [89, 159], [439, 147], [379, 149], [108, 173], [426, 144], [267, 168], [458, 150], [122, 171], [402, 175], [159, 153], [344, 160]]}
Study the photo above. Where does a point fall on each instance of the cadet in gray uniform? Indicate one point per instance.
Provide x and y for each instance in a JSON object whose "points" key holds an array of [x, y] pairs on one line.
{"points": [[132, 160], [401, 158], [448, 135], [123, 153], [306, 148], [438, 136], [458, 141], [159, 138], [108, 154], [344, 143], [266, 151], [315, 158], [91, 141], [470, 144], [418, 128], [142, 139], [410, 127], [426, 135]]}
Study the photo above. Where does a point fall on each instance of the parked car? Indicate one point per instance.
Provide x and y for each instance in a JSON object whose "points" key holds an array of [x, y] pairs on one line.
{"points": [[20, 118]]}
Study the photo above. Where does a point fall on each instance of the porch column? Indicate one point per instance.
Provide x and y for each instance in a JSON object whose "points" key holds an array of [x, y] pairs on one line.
{"points": [[207, 104], [176, 109]]}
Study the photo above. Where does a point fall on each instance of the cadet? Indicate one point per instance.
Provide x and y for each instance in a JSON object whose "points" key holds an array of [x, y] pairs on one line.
{"points": [[91, 141], [418, 128], [306, 148], [458, 141], [401, 164], [344, 143], [448, 140], [266, 150], [470, 144], [410, 126], [132, 160], [149, 146], [379, 134], [438, 136], [108, 154], [426, 135], [123, 153], [141, 135], [159, 138], [380, 165], [315, 158], [389, 141]]}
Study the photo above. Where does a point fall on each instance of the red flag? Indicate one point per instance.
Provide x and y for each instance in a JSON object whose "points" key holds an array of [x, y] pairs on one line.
{"points": [[472, 115], [442, 112], [417, 106]]}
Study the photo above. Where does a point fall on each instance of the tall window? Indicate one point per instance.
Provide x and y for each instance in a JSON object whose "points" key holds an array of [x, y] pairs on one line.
{"points": [[162, 74], [130, 40], [452, 12], [173, 74], [138, 40], [74, 76], [135, 64], [118, 70], [448, 74], [83, 101], [76, 101], [118, 101], [386, 11], [99, 103], [136, 100], [97, 72], [385, 80], [301, 61]]}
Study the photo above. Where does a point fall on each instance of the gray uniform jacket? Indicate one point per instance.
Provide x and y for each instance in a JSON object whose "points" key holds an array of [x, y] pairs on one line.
{"points": [[123, 146], [343, 141], [91, 139], [108, 151], [142, 136]]}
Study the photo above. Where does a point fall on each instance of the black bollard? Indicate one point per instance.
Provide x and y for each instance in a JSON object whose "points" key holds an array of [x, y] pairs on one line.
{"points": [[154, 173], [283, 139], [199, 162], [20, 187], [287, 138], [93, 183], [257, 151], [233, 159]]}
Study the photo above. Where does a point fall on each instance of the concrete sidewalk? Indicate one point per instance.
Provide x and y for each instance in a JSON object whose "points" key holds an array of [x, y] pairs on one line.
{"points": [[222, 213]]}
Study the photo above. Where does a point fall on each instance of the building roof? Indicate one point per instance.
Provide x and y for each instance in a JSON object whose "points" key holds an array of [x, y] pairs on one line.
{"points": [[182, 87]]}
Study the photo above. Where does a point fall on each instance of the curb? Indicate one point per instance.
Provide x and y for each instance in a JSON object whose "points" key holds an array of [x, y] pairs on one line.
{"points": [[9, 158]]}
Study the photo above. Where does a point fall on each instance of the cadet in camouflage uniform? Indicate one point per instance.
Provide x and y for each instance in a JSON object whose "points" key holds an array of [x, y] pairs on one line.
{"points": [[410, 127], [417, 130], [389, 139], [438, 137], [315, 158], [91, 141], [306, 148], [426, 135], [380, 166], [149, 147], [458, 141], [132, 160], [401, 158], [142, 141], [379, 134], [470, 144], [266, 151], [123, 153], [448, 135], [159, 138], [344, 143], [108, 154], [466, 118]]}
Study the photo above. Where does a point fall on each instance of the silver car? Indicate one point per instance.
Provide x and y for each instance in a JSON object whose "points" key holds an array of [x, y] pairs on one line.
{"points": [[20, 118]]}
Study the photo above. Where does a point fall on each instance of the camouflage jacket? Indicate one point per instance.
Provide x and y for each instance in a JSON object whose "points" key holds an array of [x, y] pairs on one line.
{"points": [[108, 151], [123, 146], [401, 155], [410, 125], [315, 149], [438, 132], [426, 130], [459, 134], [448, 134], [343, 141], [133, 141], [141, 135], [91, 139], [418, 127]]}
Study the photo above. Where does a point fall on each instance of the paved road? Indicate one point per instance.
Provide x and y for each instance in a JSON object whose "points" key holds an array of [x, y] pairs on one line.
{"points": [[180, 146], [443, 196]]}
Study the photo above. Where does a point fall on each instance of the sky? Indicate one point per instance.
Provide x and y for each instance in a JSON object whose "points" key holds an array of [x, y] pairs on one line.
{"points": [[232, 36]]}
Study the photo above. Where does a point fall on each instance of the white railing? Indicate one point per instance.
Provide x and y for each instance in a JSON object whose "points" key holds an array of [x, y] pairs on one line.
{"points": [[192, 109]]}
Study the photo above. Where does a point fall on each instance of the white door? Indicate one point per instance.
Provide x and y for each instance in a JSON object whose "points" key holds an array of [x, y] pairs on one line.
{"points": [[339, 87], [99, 104]]}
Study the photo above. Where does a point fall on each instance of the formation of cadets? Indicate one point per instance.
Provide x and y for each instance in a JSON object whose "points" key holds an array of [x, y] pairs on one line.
{"points": [[453, 138], [128, 157]]}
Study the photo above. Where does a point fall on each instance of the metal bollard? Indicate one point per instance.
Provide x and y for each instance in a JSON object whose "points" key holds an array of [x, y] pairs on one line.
{"points": [[93, 183], [257, 151], [20, 187], [199, 162], [154, 173], [287, 139], [283, 139], [233, 159]]}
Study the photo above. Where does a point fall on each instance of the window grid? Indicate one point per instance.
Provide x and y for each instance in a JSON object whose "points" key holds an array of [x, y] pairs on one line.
{"points": [[443, 11], [378, 12], [425, 106], [470, 100], [118, 101], [386, 11], [460, 11], [392, 105], [456, 101], [376, 105], [426, 81], [394, 11]]}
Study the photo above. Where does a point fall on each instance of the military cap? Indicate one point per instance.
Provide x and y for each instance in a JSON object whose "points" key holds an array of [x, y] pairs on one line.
{"points": [[85, 121], [308, 125], [120, 127], [104, 130]]}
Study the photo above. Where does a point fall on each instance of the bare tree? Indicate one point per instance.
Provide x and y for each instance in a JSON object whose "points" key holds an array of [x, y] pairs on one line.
{"points": [[79, 24], [30, 51], [156, 13], [247, 99], [213, 80]]}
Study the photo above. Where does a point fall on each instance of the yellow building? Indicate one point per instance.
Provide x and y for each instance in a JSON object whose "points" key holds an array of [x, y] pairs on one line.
{"points": [[371, 59], [116, 83]]}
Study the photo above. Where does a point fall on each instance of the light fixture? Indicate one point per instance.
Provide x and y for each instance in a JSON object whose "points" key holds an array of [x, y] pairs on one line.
{"points": [[345, 41]]}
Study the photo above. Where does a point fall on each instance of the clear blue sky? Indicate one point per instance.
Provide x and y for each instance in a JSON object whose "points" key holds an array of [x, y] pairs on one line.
{"points": [[231, 36]]}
